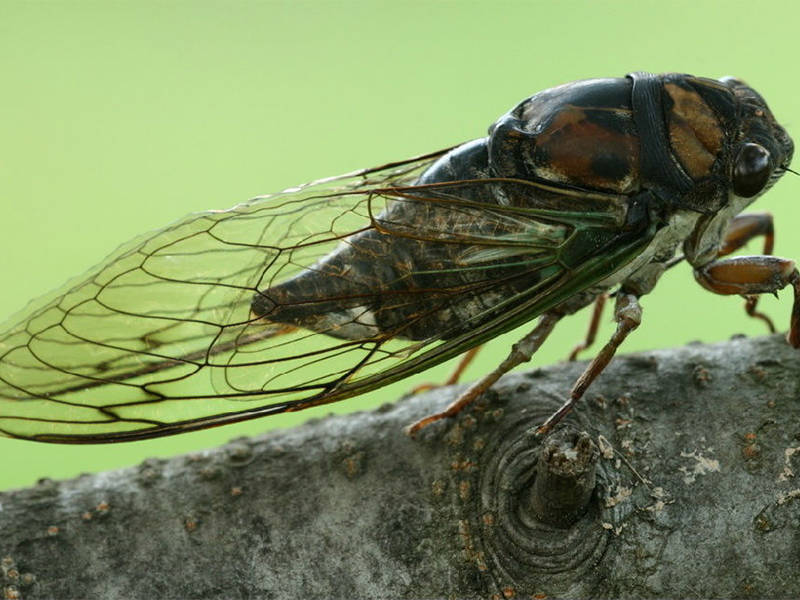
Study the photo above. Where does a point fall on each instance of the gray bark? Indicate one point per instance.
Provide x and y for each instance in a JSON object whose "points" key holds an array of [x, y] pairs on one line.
{"points": [[690, 456]]}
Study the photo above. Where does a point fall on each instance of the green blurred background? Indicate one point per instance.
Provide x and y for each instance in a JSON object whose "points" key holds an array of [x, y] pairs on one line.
{"points": [[119, 117]]}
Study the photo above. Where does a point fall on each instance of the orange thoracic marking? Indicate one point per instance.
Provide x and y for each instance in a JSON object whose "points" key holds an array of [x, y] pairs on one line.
{"points": [[694, 131], [577, 147]]}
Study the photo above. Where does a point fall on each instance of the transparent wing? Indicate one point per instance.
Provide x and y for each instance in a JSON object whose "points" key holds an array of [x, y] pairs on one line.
{"points": [[302, 298]]}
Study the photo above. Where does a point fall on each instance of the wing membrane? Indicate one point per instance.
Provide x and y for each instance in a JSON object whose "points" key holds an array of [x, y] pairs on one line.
{"points": [[194, 325]]}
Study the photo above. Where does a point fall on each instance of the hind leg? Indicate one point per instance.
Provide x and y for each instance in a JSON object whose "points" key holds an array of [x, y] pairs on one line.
{"points": [[521, 352]]}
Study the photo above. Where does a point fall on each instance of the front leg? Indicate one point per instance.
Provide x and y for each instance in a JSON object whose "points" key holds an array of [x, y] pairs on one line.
{"points": [[741, 230], [750, 275], [744, 228]]}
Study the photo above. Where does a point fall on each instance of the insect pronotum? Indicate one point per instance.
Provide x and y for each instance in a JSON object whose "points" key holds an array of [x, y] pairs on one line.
{"points": [[339, 287]]}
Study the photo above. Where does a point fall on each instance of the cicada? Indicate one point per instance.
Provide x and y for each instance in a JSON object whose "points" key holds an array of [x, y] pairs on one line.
{"points": [[339, 287]]}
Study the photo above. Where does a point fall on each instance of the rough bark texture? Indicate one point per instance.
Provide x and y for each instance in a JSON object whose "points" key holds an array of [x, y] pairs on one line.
{"points": [[695, 495]]}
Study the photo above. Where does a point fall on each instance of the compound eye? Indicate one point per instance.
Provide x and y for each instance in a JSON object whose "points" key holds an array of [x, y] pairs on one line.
{"points": [[752, 170]]}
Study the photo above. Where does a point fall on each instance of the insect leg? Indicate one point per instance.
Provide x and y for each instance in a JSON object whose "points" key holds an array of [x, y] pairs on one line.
{"points": [[520, 352], [749, 275], [741, 230], [744, 228], [466, 360], [628, 315], [594, 324]]}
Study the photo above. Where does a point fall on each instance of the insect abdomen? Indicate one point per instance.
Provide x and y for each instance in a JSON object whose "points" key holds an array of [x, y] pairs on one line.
{"points": [[378, 283]]}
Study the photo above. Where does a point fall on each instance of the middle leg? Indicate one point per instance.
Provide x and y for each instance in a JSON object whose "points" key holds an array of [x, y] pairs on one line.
{"points": [[594, 325]]}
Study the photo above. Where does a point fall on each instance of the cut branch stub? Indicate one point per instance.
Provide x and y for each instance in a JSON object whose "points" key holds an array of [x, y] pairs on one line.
{"points": [[565, 477], [510, 543]]}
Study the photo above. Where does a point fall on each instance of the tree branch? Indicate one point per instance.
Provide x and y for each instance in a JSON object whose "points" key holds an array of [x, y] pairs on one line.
{"points": [[675, 477]]}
